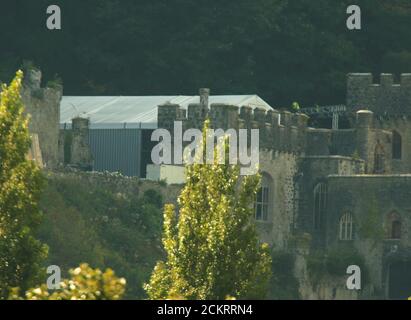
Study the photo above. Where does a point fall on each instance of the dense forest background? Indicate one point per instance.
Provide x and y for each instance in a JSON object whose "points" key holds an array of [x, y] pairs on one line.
{"points": [[282, 50]]}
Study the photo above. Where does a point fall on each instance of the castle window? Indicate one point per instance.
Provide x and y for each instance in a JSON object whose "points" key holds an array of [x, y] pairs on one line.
{"points": [[396, 230], [396, 145], [394, 226], [262, 205], [379, 160], [346, 227], [320, 201]]}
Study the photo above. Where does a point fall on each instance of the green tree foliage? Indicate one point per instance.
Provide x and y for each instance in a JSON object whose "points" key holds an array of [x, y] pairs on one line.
{"points": [[21, 255], [95, 219], [211, 244], [283, 50], [85, 283], [334, 262]]}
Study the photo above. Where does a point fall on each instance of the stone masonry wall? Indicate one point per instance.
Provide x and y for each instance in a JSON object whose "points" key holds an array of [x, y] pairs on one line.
{"points": [[371, 199], [402, 125], [287, 135], [384, 98], [43, 106], [281, 168]]}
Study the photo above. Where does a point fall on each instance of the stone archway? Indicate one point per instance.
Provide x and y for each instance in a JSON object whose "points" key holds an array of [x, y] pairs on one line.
{"points": [[399, 280]]}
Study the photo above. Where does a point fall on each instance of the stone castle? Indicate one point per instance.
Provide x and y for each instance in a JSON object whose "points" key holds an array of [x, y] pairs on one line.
{"points": [[323, 189]]}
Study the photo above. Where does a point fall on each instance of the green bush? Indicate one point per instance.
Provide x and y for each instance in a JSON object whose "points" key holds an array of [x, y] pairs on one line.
{"points": [[85, 283], [87, 222], [339, 259], [335, 262], [283, 284]]}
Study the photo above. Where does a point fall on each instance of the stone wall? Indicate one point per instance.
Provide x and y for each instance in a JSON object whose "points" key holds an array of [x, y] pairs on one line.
{"points": [[118, 183], [371, 199], [326, 288], [402, 125], [281, 168], [43, 106], [312, 171], [383, 98], [361, 142], [283, 131]]}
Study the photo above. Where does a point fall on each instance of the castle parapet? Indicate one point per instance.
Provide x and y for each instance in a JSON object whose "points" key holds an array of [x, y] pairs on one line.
{"points": [[406, 80], [273, 117], [224, 116], [168, 113], [300, 120], [282, 131], [386, 80], [260, 115], [286, 119], [365, 119], [383, 98], [246, 114], [299, 133]]}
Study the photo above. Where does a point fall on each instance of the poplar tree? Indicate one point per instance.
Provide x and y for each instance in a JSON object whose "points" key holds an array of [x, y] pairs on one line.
{"points": [[21, 255], [211, 242]]}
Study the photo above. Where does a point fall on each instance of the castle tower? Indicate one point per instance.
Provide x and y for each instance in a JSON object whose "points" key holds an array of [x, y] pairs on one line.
{"points": [[80, 149], [383, 98], [43, 106]]}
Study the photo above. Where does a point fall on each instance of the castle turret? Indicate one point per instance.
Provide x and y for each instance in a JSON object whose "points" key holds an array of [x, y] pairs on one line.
{"points": [[224, 116], [364, 119], [273, 117], [384, 98], [167, 114], [80, 148], [300, 121], [364, 137], [43, 105]]}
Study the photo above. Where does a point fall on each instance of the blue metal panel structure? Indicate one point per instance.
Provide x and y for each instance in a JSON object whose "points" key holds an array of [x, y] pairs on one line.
{"points": [[120, 127], [117, 150]]}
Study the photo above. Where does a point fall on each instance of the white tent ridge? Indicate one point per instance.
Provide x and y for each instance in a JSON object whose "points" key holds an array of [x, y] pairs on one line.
{"points": [[115, 112]]}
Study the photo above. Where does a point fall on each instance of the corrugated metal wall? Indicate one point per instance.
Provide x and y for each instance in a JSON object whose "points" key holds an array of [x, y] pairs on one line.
{"points": [[117, 150]]}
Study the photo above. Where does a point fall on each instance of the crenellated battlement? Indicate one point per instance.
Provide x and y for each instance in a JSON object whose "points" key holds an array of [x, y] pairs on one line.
{"points": [[281, 131], [384, 98]]}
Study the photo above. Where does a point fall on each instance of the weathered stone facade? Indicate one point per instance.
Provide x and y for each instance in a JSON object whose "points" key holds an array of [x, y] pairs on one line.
{"points": [[58, 147], [43, 106], [348, 188], [319, 178], [383, 98]]}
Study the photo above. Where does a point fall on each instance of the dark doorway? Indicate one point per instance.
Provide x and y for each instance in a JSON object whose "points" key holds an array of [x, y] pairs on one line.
{"points": [[400, 281]]}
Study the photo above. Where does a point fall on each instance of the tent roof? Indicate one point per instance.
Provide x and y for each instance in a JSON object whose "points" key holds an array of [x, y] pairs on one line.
{"points": [[139, 111]]}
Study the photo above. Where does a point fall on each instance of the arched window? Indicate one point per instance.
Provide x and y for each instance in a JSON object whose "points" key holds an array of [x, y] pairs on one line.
{"points": [[396, 145], [320, 201], [379, 159], [346, 227], [263, 203], [394, 226]]}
